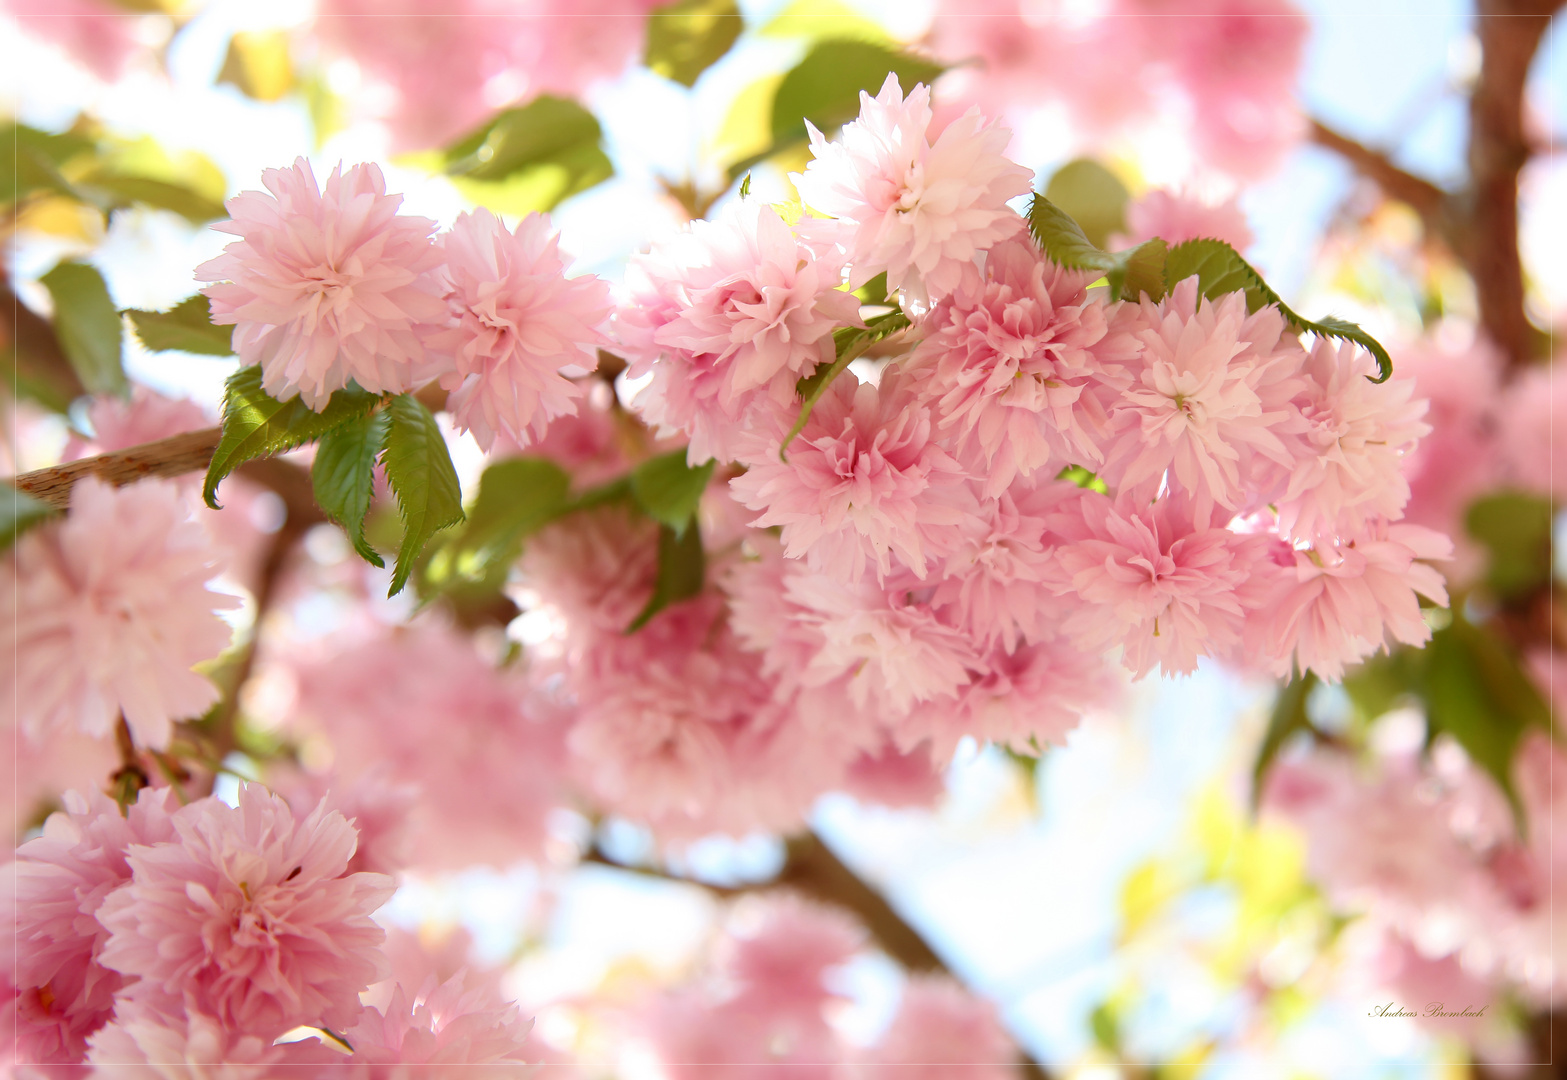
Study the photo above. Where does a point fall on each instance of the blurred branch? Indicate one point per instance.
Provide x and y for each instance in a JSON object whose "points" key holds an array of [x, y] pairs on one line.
{"points": [[1427, 200]]}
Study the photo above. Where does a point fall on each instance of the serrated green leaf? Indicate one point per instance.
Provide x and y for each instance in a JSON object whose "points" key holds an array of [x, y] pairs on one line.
{"points": [[19, 512], [88, 326], [1516, 530], [1092, 196], [255, 425], [1287, 719], [187, 327], [343, 476], [682, 570], [687, 37], [1063, 240], [851, 342], [419, 470], [1139, 272], [825, 87], [530, 158], [668, 490], [517, 497]]}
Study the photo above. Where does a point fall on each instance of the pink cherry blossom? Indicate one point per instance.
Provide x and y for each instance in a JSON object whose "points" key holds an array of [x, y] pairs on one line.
{"points": [[451, 1023], [107, 611], [591, 443], [781, 949], [325, 287], [865, 481], [920, 210], [1349, 455], [251, 914], [894, 779], [941, 1031], [1532, 458], [118, 424], [1009, 364], [1196, 403], [99, 36], [1332, 605], [731, 313], [1153, 580], [518, 319], [590, 574], [51, 895], [175, 1039], [1174, 216]]}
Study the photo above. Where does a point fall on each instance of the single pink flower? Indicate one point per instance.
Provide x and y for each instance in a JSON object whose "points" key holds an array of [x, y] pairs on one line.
{"points": [[326, 287], [517, 320], [918, 209], [1176, 216], [107, 611], [941, 1032], [250, 913], [731, 313]]}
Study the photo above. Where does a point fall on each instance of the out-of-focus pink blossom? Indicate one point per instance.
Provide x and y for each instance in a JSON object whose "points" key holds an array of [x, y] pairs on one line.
{"points": [[865, 481], [50, 898], [591, 573], [118, 424], [889, 777], [1350, 453], [591, 443], [375, 802], [517, 320], [917, 209], [446, 1025], [1174, 216], [249, 916], [1533, 459], [35, 775], [107, 611], [1008, 364], [725, 316], [324, 287], [100, 36], [941, 1032]]}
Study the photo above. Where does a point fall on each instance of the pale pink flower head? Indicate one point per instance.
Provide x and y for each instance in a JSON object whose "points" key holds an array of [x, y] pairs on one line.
{"points": [[100, 36], [118, 424], [107, 612], [175, 1040], [1349, 455], [443, 1028], [517, 320], [50, 898], [1151, 579], [590, 573], [1331, 605], [865, 482], [920, 210], [1009, 361], [778, 951], [326, 287], [1532, 457], [941, 1032], [590, 443], [892, 778], [735, 311], [1193, 406], [251, 913], [1176, 216]]}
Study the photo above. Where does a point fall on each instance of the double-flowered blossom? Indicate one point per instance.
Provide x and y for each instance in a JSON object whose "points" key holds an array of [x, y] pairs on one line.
{"points": [[517, 319], [918, 209], [327, 286], [107, 611]]}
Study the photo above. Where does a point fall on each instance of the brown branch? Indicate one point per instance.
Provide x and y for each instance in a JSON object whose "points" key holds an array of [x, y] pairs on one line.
{"points": [[174, 456], [1427, 200]]}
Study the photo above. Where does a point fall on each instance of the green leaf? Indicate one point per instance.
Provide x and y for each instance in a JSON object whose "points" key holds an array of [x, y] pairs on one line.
{"points": [[255, 425], [1516, 530], [1139, 271], [517, 497], [419, 470], [851, 341], [88, 326], [1092, 196], [874, 291], [686, 38], [682, 569], [343, 476], [1288, 719], [1475, 691], [32, 161], [745, 185], [1084, 478], [111, 190], [668, 490], [1220, 269], [19, 512], [258, 64], [530, 158], [825, 87], [1063, 240], [187, 327]]}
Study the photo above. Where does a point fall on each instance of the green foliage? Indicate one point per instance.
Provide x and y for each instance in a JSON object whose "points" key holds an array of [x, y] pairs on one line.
{"points": [[187, 327], [517, 497], [1287, 720], [255, 425], [530, 158], [1092, 196], [419, 470], [668, 490], [19, 512], [107, 175], [1516, 530], [682, 569], [35, 158], [87, 326], [1084, 478], [851, 342], [1153, 268], [687, 37], [258, 64], [874, 291], [343, 476]]}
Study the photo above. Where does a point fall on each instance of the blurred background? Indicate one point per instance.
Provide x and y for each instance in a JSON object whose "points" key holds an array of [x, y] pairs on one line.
{"points": [[1122, 901]]}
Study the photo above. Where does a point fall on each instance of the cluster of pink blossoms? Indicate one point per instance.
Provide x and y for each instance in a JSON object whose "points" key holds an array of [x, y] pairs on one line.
{"points": [[197, 935]]}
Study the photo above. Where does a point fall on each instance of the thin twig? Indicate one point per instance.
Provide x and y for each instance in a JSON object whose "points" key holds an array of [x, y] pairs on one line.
{"points": [[174, 456]]}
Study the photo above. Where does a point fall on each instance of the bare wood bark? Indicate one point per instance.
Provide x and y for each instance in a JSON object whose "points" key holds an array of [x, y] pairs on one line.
{"points": [[1425, 198], [174, 456]]}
